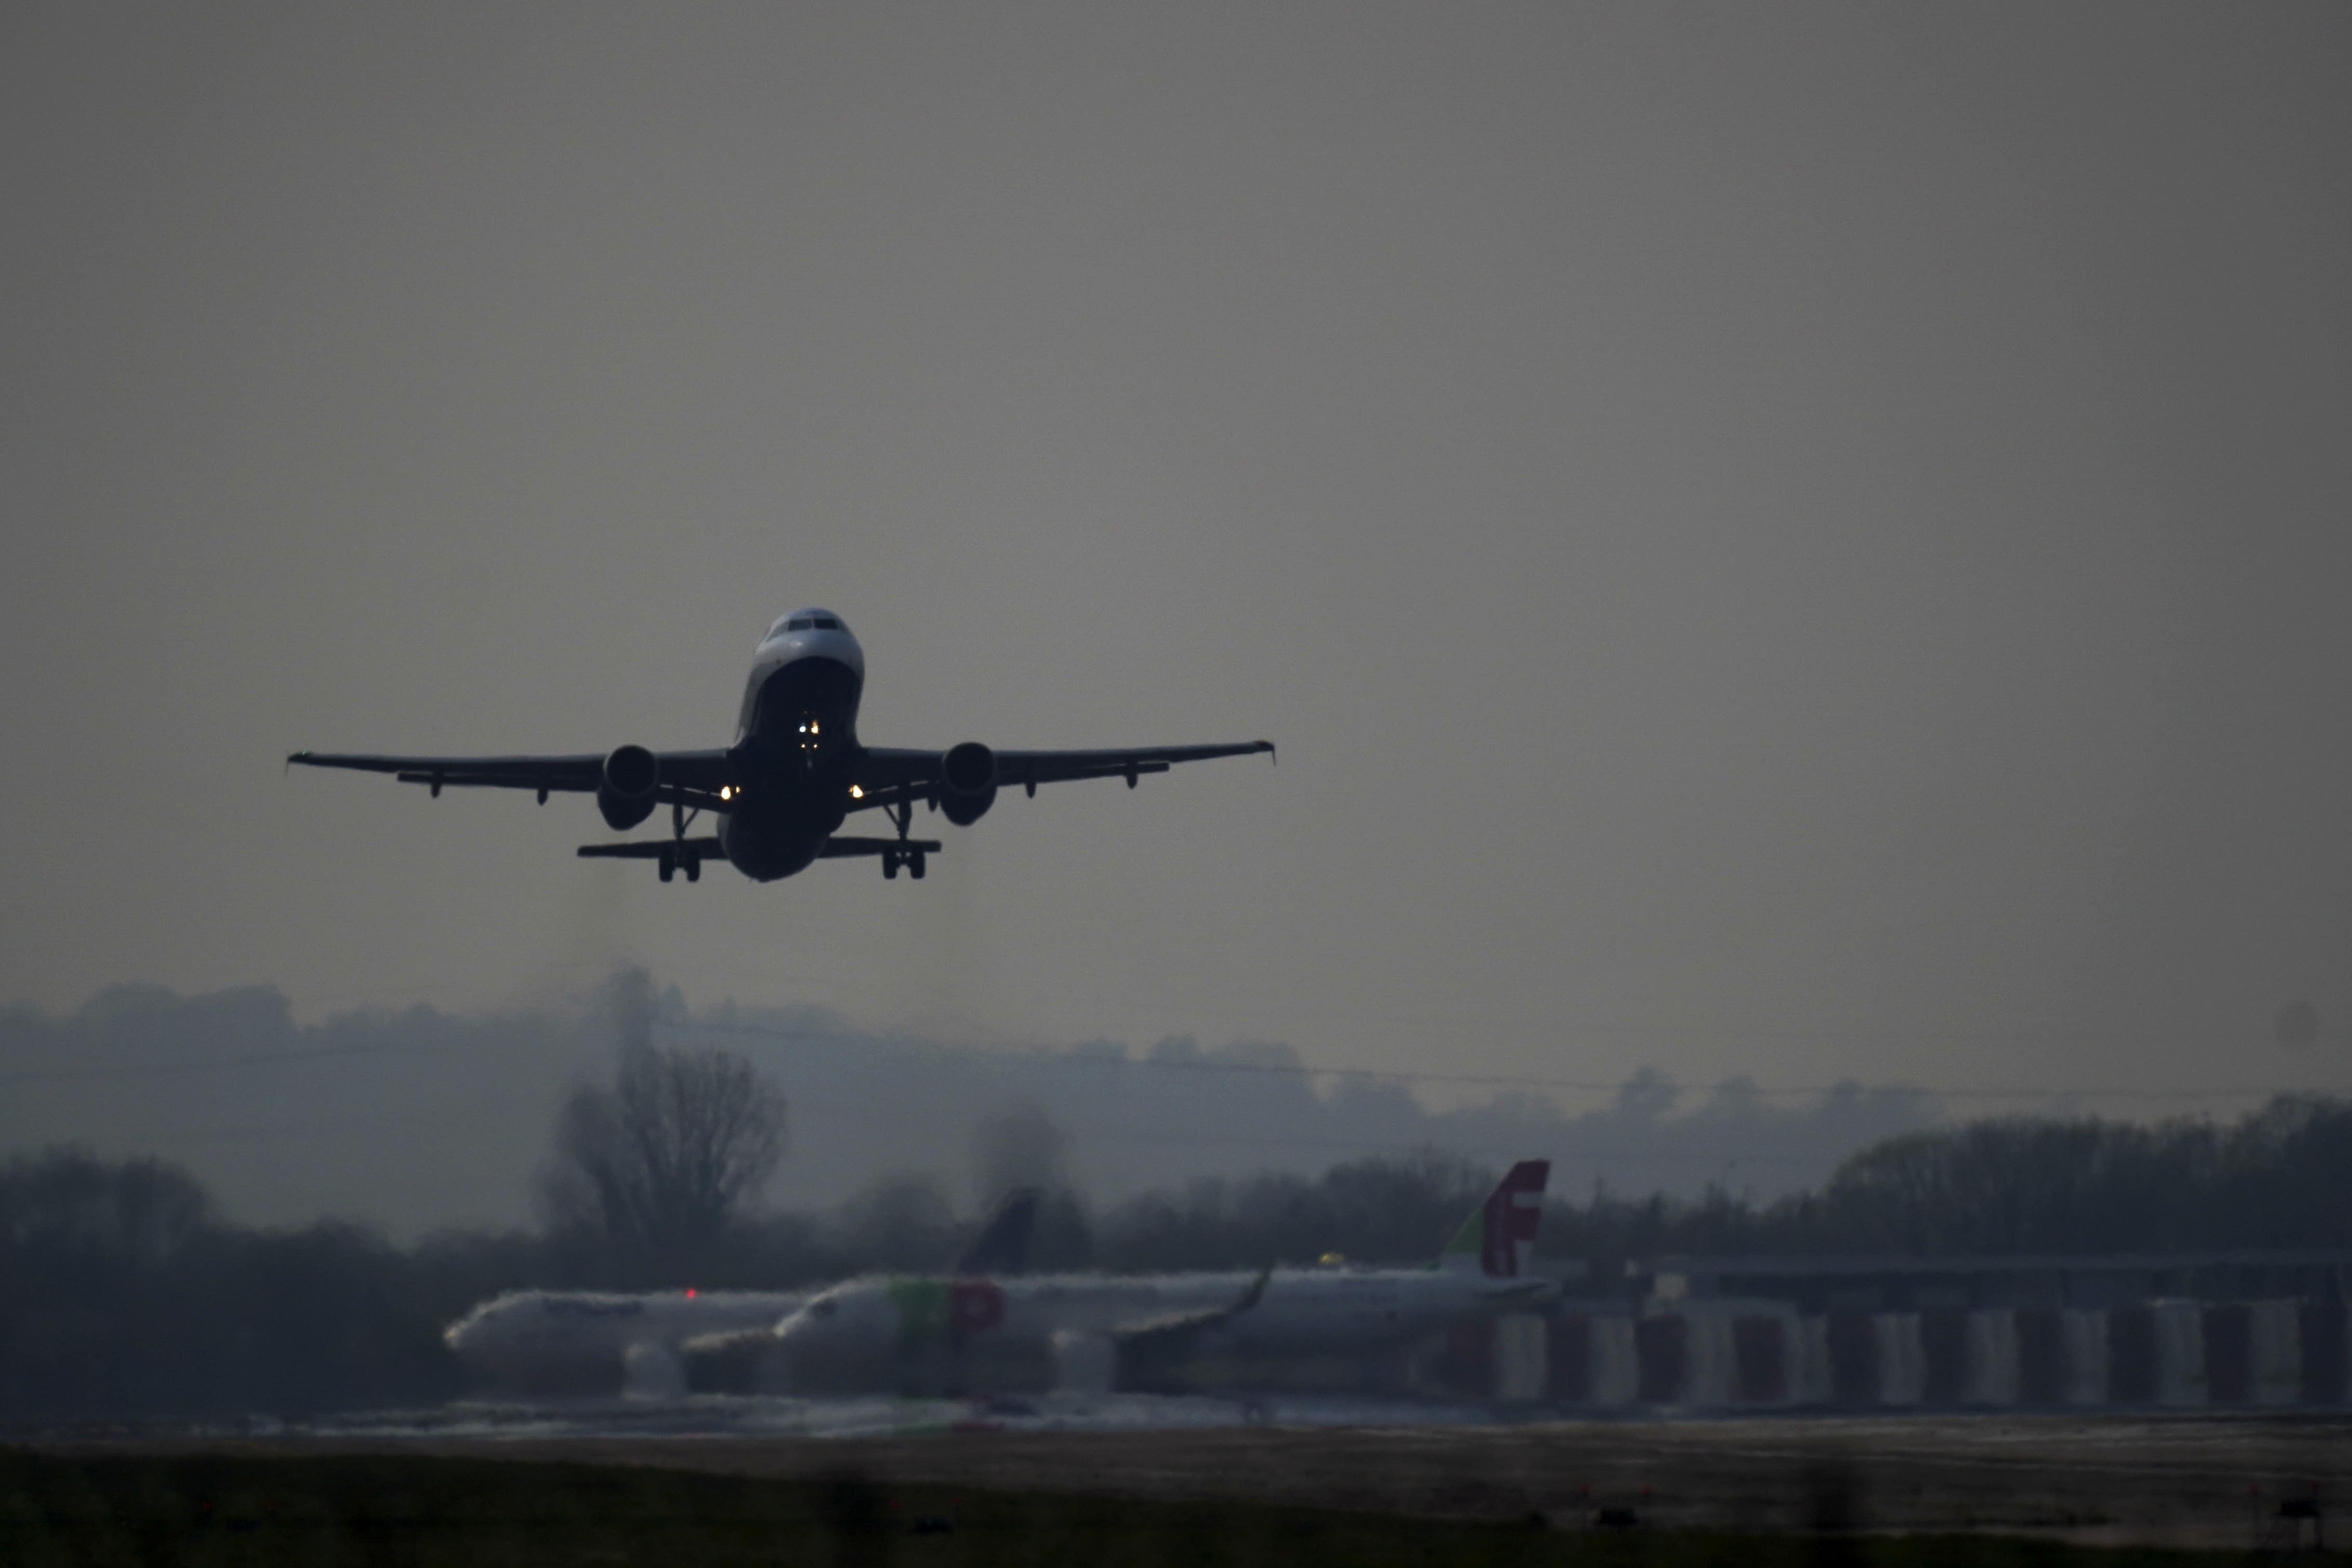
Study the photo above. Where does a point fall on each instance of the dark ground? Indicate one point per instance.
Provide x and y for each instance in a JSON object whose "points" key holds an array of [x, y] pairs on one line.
{"points": [[231, 1505], [2202, 1482]]}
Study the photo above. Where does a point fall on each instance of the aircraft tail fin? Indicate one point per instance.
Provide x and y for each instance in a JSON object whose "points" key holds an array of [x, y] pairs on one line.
{"points": [[1002, 1245], [1499, 1237]]}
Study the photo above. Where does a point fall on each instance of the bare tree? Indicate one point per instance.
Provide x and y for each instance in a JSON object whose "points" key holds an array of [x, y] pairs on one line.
{"points": [[663, 1160]]}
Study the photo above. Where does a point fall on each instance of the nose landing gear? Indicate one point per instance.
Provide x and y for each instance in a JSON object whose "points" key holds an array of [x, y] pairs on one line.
{"points": [[892, 859]]}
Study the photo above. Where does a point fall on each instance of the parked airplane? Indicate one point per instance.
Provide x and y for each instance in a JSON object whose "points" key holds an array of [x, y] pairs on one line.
{"points": [[967, 1334], [594, 1341], [795, 771]]}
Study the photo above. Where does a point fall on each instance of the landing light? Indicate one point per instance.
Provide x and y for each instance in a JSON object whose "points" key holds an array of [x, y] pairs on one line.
{"points": [[725, 792], [855, 793]]}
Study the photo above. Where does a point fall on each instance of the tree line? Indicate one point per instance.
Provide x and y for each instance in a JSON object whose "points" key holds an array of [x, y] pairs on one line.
{"points": [[123, 1292]]}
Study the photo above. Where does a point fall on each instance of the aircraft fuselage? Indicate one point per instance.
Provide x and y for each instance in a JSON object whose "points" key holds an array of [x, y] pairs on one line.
{"points": [[796, 750]]}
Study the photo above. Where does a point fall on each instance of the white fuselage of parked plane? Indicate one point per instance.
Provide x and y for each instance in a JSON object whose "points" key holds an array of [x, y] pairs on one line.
{"points": [[867, 1331], [582, 1341]]}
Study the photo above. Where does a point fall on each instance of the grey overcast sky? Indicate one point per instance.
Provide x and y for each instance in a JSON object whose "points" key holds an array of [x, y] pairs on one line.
{"points": [[1794, 540]]}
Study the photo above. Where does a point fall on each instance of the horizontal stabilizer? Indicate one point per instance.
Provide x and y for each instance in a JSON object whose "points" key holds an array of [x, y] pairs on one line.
{"points": [[678, 850], [840, 848]]}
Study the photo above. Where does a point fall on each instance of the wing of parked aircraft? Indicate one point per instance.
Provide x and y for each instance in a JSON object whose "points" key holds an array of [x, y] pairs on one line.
{"points": [[1154, 1332]]}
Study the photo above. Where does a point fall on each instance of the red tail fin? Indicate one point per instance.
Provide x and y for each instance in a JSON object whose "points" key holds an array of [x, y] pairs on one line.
{"points": [[1498, 1238]]}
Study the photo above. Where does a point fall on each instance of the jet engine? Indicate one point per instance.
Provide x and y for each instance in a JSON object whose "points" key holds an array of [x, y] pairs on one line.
{"points": [[626, 795], [967, 782]]}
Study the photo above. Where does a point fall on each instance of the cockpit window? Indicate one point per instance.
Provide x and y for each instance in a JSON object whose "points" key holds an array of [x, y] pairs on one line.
{"points": [[806, 621]]}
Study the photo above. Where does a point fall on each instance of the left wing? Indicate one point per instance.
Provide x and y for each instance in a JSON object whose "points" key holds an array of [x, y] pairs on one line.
{"points": [[889, 775]]}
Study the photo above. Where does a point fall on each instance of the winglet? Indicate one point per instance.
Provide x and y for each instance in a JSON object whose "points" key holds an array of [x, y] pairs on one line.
{"points": [[1273, 756], [1250, 1297]]}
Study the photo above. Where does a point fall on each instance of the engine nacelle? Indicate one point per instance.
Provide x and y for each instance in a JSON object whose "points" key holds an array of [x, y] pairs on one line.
{"points": [[626, 795], [967, 783]]}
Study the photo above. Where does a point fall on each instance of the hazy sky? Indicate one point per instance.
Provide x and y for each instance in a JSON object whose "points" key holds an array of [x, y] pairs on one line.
{"points": [[1802, 541]]}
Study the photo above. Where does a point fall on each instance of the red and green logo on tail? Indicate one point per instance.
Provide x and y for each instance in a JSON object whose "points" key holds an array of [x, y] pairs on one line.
{"points": [[1500, 1234]]}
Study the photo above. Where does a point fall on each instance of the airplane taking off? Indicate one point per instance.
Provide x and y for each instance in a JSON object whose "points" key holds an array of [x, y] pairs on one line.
{"points": [[1132, 1333], [795, 771]]}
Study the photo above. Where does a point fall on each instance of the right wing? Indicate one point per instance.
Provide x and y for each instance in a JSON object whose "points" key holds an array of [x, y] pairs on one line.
{"points": [[686, 778]]}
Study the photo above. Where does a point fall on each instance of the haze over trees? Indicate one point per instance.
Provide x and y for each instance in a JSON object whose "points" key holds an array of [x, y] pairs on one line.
{"points": [[285, 1121]]}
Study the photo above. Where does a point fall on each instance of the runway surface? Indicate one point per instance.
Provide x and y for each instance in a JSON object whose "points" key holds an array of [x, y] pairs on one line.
{"points": [[2201, 1480]]}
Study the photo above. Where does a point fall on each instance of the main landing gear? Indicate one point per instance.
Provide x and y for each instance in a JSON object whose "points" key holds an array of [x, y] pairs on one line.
{"points": [[903, 853], [677, 852]]}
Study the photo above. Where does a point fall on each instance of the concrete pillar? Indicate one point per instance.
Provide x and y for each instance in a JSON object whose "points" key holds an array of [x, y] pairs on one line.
{"points": [[1519, 1357], [1707, 1382], [1991, 1376], [2179, 1352], [2278, 1353], [2321, 1331], [2089, 1363], [1616, 1363], [1816, 1378], [1902, 1362]]}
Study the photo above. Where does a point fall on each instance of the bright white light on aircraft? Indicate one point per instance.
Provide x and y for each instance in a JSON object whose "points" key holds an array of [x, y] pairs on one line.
{"points": [[725, 792], [855, 793]]}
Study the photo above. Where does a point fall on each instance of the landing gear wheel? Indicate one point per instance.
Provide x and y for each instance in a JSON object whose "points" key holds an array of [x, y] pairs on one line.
{"points": [[915, 865], [694, 870], [889, 865], [668, 866]]}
